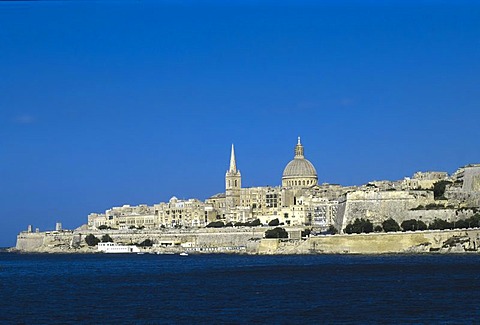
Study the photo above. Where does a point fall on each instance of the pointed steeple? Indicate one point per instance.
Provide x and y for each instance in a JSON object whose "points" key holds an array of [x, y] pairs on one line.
{"points": [[299, 149], [233, 163]]}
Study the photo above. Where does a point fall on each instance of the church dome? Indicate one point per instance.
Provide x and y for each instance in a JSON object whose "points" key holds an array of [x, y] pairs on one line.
{"points": [[299, 171], [299, 167]]}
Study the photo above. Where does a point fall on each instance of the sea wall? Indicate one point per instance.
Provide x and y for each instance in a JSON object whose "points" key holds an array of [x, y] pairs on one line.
{"points": [[29, 241], [378, 243], [164, 240], [252, 241]]}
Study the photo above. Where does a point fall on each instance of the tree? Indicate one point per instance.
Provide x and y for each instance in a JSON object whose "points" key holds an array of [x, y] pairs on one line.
{"points": [[103, 227], [439, 189], [276, 233], [378, 228], [229, 224], [413, 225], [216, 224], [107, 239], [462, 224], [91, 240], [332, 230], [359, 226], [422, 225], [273, 223], [390, 225], [306, 232], [440, 224], [474, 221], [146, 243], [254, 223]]}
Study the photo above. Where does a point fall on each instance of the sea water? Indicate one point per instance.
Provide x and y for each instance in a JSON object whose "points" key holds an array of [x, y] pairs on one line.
{"points": [[238, 289]]}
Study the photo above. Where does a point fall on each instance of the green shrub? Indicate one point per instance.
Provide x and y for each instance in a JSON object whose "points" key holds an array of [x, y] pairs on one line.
{"points": [[439, 189], [216, 224], [276, 233], [461, 224], [91, 240], [273, 223], [422, 225], [413, 225], [390, 225], [474, 221], [306, 232], [146, 243], [359, 226], [440, 224], [103, 227], [107, 239], [332, 230]]}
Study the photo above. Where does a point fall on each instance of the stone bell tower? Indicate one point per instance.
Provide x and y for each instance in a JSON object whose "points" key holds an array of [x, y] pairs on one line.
{"points": [[233, 183]]}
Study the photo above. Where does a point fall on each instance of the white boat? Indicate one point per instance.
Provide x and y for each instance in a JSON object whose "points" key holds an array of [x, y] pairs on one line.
{"points": [[184, 254], [112, 248]]}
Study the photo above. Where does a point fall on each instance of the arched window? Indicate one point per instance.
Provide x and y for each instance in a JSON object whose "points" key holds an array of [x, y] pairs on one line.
{"points": [[303, 182], [235, 183], [228, 183]]}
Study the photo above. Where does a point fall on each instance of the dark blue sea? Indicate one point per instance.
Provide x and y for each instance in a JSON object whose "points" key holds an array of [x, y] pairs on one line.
{"points": [[238, 289]]}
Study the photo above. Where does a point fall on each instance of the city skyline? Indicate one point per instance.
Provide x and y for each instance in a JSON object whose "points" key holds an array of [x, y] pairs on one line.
{"points": [[97, 114]]}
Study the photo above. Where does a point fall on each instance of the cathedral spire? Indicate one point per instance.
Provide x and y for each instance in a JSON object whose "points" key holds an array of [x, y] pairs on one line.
{"points": [[299, 149], [233, 163]]}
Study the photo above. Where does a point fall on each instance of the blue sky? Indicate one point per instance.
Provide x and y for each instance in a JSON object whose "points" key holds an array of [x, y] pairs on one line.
{"points": [[110, 103]]}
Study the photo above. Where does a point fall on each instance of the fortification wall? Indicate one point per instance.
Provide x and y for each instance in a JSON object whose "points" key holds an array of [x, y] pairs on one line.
{"points": [[203, 238], [401, 242], [378, 206], [211, 241], [29, 241], [428, 216]]}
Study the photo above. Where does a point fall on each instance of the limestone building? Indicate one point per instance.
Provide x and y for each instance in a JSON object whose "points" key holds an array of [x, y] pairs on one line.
{"points": [[298, 201], [301, 201]]}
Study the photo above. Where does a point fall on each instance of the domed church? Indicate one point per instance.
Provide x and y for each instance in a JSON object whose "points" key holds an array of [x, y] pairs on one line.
{"points": [[299, 172]]}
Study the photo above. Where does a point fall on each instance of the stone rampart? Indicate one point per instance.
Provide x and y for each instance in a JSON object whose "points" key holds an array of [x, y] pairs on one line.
{"points": [[251, 241], [399, 242], [27, 241], [378, 206], [69, 241]]}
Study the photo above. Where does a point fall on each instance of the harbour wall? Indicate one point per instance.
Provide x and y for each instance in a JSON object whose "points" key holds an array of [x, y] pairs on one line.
{"points": [[164, 240], [251, 241], [443, 241]]}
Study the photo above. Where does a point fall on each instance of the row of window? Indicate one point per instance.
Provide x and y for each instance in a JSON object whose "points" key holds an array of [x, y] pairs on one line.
{"points": [[301, 182]]}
